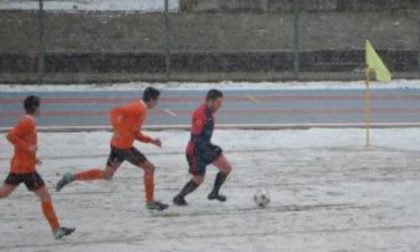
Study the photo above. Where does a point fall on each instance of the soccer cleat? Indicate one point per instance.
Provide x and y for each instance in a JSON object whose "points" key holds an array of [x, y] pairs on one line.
{"points": [[216, 196], [65, 180], [63, 231], [179, 201], [156, 205]]}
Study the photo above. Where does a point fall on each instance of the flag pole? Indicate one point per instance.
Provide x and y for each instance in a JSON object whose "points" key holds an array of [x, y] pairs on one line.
{"points": [[368, 110], [374, 65]]}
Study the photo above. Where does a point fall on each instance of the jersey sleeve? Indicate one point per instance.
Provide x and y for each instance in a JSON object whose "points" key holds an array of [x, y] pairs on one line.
{"points": [[139, 135], [16, 135], [143, 138]]}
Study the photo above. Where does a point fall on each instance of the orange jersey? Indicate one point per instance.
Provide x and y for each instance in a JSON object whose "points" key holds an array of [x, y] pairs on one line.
{"points": [[126, 122], [23, 137]]}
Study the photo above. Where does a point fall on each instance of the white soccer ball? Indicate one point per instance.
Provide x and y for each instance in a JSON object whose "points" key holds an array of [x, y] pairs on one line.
{"points": [[262, 198]]}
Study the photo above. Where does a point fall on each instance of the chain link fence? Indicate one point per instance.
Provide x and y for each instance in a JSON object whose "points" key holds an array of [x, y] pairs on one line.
{"points": [[74, 41]]}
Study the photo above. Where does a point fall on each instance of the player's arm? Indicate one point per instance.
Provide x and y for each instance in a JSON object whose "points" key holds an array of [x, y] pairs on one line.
{"points": [[143, 138], [15, 136], [147, 139]]}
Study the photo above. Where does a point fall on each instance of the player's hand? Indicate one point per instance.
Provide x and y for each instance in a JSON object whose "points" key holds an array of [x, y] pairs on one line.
{"points": [[33, 148], [157, 142]]}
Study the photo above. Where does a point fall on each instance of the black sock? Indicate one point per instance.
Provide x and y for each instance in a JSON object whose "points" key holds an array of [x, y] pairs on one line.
{"points": [[189, 187], [218, 182]]}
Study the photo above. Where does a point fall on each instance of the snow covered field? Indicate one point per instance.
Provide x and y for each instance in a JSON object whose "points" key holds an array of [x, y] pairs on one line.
{"points": [[224, 85], [328, 191], [92, 5]]}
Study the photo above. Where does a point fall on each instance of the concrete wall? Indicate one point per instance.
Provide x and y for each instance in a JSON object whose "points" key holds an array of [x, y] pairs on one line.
{"points": [[284, 6]]}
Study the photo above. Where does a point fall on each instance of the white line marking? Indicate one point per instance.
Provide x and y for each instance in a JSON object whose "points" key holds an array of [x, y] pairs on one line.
{"points": [[252, 98], [170, 112]]}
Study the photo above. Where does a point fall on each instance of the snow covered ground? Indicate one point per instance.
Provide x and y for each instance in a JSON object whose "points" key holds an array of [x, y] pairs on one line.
{"points": [[315, 85], [329, 193], [92, 5]]}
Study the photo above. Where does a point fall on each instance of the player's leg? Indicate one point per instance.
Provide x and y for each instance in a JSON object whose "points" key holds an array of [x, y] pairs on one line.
{"points": [[188, 188], [198, 170], [11, 182], [148, 179], [224, 169], [114, 162], [35, 183], [6, 190], [115, 159], [136, 158], [96, 173]]}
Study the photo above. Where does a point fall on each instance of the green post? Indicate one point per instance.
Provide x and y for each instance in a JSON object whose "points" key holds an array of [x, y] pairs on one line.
{"points": [[296, 38], [167, 43], [418, 43], [41, 43]]}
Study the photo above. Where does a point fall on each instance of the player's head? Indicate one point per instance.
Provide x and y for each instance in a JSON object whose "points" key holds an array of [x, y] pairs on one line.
{"points": [[214, 99], [31, 105], [151, 97]]}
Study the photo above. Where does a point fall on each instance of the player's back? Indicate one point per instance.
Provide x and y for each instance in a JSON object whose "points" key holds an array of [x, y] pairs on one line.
{"points": [[126, 122], [23, 136]]}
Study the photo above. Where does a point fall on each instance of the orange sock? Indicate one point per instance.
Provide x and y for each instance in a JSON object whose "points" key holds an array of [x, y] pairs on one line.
{"points": [[48, 210], [149, 187], [89, 175]]}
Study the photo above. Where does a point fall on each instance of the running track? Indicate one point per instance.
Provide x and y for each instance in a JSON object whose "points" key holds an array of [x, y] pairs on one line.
{"points": [[246, 108]]}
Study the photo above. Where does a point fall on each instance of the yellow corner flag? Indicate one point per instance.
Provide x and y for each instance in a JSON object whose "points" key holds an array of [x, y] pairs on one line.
{"points": [[374, 62]]}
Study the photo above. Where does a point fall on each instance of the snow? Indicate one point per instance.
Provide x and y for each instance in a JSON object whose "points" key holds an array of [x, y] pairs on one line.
{"points": [[226, 85], [328, 193], [92, 5]]}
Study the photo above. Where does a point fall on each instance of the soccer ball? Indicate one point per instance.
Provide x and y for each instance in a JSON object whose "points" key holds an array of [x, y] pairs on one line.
{"points": [[262, 198]]}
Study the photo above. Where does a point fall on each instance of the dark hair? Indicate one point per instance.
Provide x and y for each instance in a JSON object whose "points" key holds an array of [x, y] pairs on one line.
{"points": [[31, 103], [213, 94], [150, 93]]}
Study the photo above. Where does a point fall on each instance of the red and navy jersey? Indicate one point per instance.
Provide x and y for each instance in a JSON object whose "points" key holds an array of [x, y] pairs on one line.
{"points": [[202, 128], [202, 125], [200, 150]]}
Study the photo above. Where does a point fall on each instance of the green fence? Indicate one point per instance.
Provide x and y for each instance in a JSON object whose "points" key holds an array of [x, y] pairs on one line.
{"points": [[197, 40]]}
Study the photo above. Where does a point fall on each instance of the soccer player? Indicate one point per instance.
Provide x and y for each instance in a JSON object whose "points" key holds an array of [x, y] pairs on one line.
{"points": [[201, 152], [24, 139], [126, 123]]}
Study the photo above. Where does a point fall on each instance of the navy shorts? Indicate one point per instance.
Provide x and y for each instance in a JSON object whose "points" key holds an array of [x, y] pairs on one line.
{"points": [[202, 157], [132, 155], [32, 180]]}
